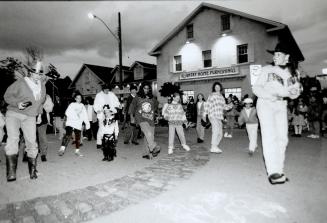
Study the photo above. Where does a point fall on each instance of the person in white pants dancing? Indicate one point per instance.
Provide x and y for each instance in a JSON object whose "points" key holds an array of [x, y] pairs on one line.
{"points": [[274, 84]]}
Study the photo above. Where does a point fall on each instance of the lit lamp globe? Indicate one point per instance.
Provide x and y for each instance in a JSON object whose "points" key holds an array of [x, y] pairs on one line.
{"points": [[324, 71], [91, 15]]}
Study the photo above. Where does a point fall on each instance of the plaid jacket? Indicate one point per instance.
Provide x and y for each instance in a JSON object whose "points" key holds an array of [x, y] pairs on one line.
{"points": [[215, 105], [174, 114]]}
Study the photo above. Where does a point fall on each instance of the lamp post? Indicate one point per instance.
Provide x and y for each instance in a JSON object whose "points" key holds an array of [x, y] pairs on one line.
{"points": [[118, 38]]}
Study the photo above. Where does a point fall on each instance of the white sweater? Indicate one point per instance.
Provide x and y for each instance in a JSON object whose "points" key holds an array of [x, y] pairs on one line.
{"points": [[275, 82], [76, 115], [102, 99]]}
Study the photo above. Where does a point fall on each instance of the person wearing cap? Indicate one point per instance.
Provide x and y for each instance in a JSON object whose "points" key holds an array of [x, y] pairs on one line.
{"points": [[106, 96], [277, 82], [25, 98], [248, 115], [131, 130]]}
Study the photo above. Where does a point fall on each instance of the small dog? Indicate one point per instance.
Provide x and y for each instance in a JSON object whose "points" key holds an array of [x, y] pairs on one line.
{"points": [[109, 143]]}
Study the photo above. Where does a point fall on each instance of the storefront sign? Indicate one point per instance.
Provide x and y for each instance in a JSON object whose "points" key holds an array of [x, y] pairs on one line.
{"points": [[208, 73]]}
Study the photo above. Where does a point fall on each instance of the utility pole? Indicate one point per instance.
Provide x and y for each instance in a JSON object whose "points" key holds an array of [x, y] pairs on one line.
{"points": [[120, 54]]}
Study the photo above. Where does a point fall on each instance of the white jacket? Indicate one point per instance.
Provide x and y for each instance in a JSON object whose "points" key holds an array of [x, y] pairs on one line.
{"points": [[102, 99], [76, 115]]}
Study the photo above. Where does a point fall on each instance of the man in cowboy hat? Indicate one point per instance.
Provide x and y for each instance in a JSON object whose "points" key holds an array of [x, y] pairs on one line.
{"points": [[275, 84]]}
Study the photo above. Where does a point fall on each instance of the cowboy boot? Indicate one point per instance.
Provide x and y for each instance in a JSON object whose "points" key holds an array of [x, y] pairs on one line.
{"points": [[11, 163], [32, 167]]}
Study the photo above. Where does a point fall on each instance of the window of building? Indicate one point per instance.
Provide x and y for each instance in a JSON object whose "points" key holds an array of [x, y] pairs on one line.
{"points": [[178, 63], [189, 31], [242, 53], [234, 91], [186, 96], [138, 73], [206, 55], [225, 22]]}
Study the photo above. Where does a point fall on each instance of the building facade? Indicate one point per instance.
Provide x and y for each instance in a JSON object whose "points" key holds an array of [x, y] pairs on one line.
{"points": [[218, 44]]}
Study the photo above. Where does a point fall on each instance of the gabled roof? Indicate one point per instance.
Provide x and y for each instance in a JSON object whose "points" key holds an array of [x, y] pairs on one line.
{"points": [[272, 25], [124, 68], [143, 64], [103, 73]]}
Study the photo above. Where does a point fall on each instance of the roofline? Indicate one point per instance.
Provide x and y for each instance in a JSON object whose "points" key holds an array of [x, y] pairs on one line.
{"points": [[139, 62], [76, 76], [181, 25]]}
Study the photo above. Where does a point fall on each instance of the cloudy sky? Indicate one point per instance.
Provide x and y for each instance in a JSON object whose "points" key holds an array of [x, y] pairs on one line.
{"points": [[69, 38]]}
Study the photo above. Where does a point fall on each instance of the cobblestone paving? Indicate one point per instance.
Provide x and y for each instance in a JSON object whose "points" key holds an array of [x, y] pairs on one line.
{"points": [[102, 199]]}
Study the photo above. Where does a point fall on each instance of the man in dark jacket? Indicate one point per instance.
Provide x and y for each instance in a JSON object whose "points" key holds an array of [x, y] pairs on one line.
{"points": [[131, 130]]}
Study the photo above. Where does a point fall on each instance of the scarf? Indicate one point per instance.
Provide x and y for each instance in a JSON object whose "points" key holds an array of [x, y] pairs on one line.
{"points": [[35, 87]]}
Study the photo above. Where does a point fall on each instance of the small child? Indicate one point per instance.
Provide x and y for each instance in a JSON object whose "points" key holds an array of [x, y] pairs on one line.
{"points": [[76, 114], [109, 133], [298, 120], [230, 114], [175, 115], [248, 116]]}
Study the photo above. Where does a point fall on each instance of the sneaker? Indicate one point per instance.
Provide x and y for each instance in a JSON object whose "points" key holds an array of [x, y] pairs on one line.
{"points": [[315, 136], [250, 153], [146, 157], [78, 153], [277, 178], [135, 143], [216, 150], [43, 158], [229, 136], [186, 147], [61, 151], [310, 136], [155, 151], [170, 151], [226, 135], [200, 140], [99, 146]]}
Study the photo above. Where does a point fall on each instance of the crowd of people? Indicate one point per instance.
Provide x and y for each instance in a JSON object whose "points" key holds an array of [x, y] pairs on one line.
{"points": [[276, 107]]}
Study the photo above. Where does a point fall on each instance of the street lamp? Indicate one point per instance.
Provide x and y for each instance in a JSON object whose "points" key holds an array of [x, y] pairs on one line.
{"points": [[118, 38]]}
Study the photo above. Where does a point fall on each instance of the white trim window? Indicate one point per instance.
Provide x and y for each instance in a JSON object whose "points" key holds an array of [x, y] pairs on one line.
{"points": [[189, 31], [206, 55], [242, 53], [178, 63]]}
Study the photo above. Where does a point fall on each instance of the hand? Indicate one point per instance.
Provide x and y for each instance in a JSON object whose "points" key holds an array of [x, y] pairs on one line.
{"points": [[21, 106]]}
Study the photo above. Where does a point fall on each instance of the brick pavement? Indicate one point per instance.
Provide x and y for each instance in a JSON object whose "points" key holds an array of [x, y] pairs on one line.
{"points": [[103, 199]]}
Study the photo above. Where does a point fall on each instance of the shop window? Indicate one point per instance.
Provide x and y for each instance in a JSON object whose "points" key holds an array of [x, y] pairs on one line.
{"points": [[225, 22], [187, 95], [178, 63], [234, 91], [189, 31], [242, 53], [206, 55]]}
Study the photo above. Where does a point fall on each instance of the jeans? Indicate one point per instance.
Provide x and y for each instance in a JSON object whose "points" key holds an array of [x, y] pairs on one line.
{"points": [[149, 143], [131, 131], [43, 140], [180, 133], [14, 121], [252, 130]]}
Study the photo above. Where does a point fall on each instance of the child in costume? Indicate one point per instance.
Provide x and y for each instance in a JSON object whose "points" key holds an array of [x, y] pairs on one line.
{"points": [[175, 115], [109, 133], [248, 116]]}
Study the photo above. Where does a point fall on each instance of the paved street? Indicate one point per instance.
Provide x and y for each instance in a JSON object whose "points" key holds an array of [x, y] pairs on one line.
{"points": [[193, 186]]}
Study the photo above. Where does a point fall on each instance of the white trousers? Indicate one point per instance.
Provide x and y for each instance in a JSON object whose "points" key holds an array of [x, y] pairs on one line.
{"points": [[217, 132], [274, 132], [252, 130]]}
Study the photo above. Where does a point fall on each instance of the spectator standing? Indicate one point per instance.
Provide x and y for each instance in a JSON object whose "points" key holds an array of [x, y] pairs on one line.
{"points": [[92, 116], [106, 96], [199, 113], [42, 122], [314, 116], [298, 120], [59, 116], [25, 98], [276, 83], [142, 112], [230, 117], [131, 130]]}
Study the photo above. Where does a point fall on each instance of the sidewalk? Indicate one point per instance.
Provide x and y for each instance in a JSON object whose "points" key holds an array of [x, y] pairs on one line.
{"points": [[193, 186]]}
